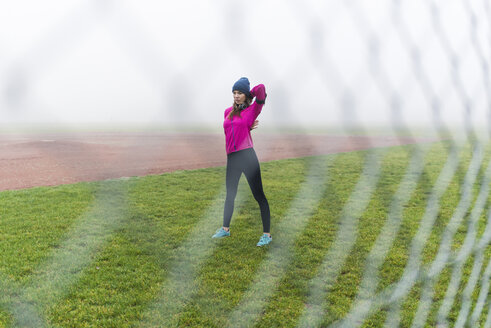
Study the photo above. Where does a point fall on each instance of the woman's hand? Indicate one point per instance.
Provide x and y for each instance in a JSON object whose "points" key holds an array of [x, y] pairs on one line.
{"points": [[254, 125]]}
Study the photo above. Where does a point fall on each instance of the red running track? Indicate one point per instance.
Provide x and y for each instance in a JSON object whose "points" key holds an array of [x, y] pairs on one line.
{"points": [[32, 160]]}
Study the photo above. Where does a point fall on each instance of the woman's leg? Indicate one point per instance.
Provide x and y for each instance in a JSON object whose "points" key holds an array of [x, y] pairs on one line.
{"points": [[252, 172], [232, 183]]}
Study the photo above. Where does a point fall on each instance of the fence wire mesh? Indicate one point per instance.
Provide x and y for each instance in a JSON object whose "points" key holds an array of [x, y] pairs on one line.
{"points": [[407, 69]]}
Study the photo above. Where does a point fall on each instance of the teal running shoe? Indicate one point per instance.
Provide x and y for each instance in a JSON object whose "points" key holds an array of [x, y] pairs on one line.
{"points": [[221, 233], [265, 240]]}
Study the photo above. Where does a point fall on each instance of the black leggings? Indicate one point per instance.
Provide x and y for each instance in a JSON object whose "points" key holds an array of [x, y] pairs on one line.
{"points": [[245, 161]]}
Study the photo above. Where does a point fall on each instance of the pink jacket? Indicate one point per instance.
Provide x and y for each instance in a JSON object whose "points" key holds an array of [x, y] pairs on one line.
{"points": [[238, 130]]}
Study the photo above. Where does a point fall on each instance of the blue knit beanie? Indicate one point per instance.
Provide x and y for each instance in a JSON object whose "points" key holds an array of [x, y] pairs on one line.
{"points": [[243, 86]]}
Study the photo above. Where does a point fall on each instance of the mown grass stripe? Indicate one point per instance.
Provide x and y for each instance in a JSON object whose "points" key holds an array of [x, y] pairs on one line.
{"points": [[8, 290], [478, 248], [65, 264], [444, 251], [279, 257], [364, 299], [487, 324], [344, 241], [469, 288], [181, 283], [412, 268], [483, 295], [471, 245]]}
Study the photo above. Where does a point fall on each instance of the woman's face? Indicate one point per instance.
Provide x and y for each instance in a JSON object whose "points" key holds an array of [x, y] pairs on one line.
{"points": [[239, 97]]}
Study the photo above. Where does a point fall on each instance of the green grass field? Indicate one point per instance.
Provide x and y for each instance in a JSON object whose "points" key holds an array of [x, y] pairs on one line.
{"points": [[137, 252]]}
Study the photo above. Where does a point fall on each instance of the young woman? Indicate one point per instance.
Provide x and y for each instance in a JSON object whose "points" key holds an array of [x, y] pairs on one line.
{"points": [[241, 157]]}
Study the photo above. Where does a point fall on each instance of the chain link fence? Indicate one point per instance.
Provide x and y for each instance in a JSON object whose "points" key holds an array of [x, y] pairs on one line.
{"points": [[403, 67], [391, 64]]}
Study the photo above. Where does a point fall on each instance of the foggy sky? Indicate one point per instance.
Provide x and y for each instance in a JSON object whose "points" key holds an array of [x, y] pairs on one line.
{"points": [[174, 62]]}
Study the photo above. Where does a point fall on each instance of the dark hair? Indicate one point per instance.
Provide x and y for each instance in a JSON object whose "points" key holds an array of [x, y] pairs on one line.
{"points": [[239, 108]]}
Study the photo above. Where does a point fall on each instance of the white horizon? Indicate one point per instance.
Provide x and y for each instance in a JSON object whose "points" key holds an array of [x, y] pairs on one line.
{"points": [[173, 63]]}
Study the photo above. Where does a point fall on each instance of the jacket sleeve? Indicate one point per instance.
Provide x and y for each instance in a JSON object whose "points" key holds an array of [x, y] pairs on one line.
{"points": [[258, 92]]}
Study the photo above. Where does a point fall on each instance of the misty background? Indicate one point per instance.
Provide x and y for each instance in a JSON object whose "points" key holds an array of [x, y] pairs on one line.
{"points": [[173, 63]]}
